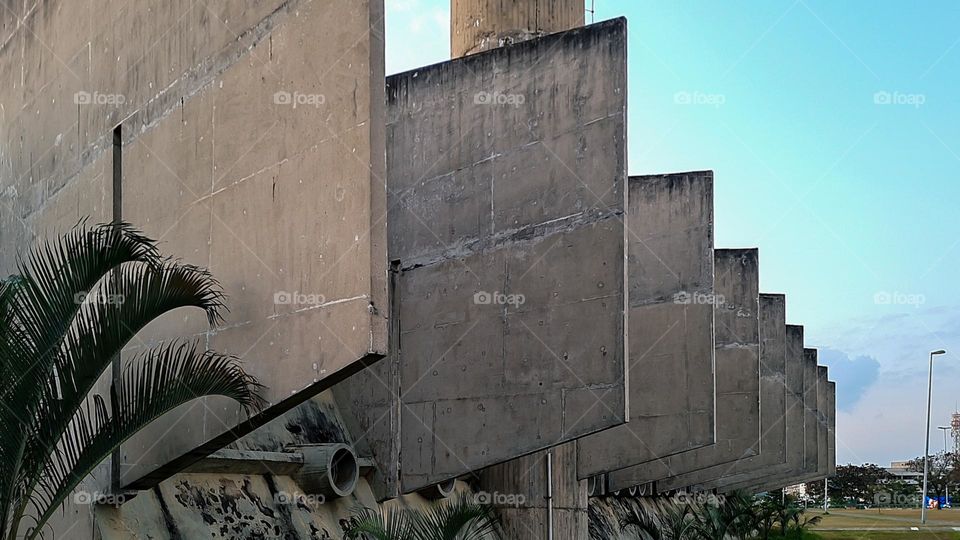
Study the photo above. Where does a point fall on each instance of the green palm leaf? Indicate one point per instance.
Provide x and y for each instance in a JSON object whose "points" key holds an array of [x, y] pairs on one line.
{"points": [[57, 339]]}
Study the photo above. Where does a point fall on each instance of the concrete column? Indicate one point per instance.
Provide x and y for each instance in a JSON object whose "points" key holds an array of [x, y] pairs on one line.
{"points": [[530, 502], [479, 25]]}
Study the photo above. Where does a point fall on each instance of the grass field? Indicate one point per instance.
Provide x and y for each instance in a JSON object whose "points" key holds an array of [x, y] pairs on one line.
{"points": [[887, 524]]}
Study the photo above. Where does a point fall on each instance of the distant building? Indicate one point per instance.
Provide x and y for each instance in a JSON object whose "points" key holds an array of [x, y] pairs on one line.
{"points": [[902, 471]]}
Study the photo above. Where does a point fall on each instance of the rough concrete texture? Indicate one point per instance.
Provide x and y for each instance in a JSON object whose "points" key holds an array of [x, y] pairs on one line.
{"points": [[832, 424], [811, 419], [773, 389], [507, 236], [232, 506], [737, 347], [793, 423], [670, 271], [823, 422], [525, 493], [480, 25], [808, 467], [211, 152]]}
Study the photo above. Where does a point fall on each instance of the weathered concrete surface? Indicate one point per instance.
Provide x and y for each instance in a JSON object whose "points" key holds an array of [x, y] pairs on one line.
{"points": [[809, 465], [670, 269], [773, 389], [811, 419], [480, 25], [524, 494], [233, 506], [823, 422], [309, 291], [793, 422], [506, 229], [737, 347], [210, 154], [832, 424]]}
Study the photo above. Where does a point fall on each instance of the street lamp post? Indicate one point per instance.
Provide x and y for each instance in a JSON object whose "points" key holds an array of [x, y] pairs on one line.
{"points": [[926, 451]]}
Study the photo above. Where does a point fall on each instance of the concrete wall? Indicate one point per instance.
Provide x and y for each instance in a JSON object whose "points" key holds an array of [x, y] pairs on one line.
{"points": [[793, 422], [232, 116], [738, 377], [823, 423], [832, 424], [507, 181], [480, 25], [525, 494], [809, 465], [773, 389], [671, 290]]}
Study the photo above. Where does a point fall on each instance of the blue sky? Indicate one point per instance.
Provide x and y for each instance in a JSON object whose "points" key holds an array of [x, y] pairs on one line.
{"points": [[834, 132]]}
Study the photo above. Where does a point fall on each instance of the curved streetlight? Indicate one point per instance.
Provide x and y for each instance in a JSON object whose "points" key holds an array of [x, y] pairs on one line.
{"points": [[926, 452]]}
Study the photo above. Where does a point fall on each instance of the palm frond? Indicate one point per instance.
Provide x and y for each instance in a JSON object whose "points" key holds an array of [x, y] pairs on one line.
{"points": [[461, 519], [387, 524], [155, 383]]}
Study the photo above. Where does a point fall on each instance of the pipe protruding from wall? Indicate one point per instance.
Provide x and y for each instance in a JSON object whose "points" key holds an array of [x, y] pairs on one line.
{"points": [[438, 491], [480, 25], [330, 469]]}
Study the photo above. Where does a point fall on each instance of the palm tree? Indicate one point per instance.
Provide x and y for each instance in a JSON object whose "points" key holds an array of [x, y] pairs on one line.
{"points": [[676, 523], [461, 519], [732, 516], [56, 340]]}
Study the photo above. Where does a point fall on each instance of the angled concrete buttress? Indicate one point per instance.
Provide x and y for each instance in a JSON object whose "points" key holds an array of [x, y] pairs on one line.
{"points": [[832, 424], [773, 389], [738, 377], [507, 183], [213, 148], [810, 464], [671, 289], [823, 422], [793, 422]]}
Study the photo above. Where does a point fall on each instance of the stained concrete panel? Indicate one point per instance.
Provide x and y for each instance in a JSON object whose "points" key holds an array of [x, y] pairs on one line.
{"points": [[808, 467], [793, 422], [212, 153], [671, 275], [823, 422], [77, 69], [507, 181], [811, 420], [773, 389], [305, 291], [832, 424], [737, 346]]}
